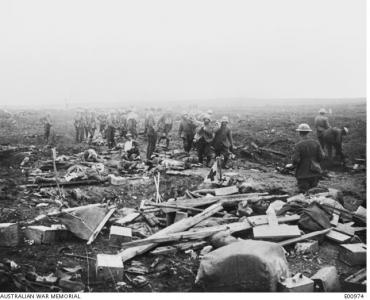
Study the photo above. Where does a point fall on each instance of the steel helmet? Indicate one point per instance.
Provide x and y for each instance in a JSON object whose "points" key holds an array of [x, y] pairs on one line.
{"points": [[304, 128], [224, 119], [322, 111], [206, 117]]}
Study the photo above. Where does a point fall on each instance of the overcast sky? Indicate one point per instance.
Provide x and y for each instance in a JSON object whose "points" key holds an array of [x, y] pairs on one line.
{"points": [[172, 50]]}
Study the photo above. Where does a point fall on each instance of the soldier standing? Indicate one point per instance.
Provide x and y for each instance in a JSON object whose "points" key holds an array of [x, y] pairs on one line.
{"points": [[132, 123], [165, 124], [204, 137], [186, 132], [110, 130], [47, 126], [150, 133], [306, 159], [321, 124], [92, 126], [223, 141]]}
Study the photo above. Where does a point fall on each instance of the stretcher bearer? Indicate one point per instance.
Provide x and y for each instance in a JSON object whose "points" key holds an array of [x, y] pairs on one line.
{"points": [[223, 141], [204, 142], [306, 159]]}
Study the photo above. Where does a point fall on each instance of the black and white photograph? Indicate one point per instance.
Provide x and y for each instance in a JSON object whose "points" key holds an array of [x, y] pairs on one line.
{"points": [[171, 146]]}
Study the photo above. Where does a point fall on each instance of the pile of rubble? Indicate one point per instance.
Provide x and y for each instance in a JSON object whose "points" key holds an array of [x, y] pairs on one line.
{"points": [[240, 234]]}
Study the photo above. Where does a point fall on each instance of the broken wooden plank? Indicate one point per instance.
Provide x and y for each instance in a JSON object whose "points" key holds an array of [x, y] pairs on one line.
{"points": [[60, 212], [9, 235], [127, 219], [304, 237], [203, 201], [100, 226], [186, 235], [268, 232], [176, 227], [338, 237], [164, 250], [353, 254], [229, 190], [199, 233], [65, 184], [354, 282], [174, 206]]}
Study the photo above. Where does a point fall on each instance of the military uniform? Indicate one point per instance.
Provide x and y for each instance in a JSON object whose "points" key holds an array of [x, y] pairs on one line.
{"points": [[205, 144], [132, 124], [92, 126], [321, 124], [223, 143], [306, 158], [165, 124], [47, 127], [186, 132], [111, 131], [151, 135], [333, 139]]}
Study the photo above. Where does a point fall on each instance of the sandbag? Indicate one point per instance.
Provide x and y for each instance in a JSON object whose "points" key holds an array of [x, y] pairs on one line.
{"points": [[248, 265], [314, 218]]}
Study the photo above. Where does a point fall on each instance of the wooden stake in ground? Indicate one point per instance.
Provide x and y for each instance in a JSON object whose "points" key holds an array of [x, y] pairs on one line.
{"points": [[56, 172], [158, 198]]}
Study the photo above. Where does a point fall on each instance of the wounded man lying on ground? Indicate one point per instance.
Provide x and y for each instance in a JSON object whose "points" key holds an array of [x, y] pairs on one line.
{"points": [[306, 159], [90, 155]]}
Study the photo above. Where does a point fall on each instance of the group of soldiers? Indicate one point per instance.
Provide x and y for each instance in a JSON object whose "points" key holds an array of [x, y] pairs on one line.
{"points": [[208, 137], [87, 123], [309, 153]]}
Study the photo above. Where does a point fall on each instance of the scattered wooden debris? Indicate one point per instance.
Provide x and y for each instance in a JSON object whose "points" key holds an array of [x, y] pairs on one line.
{"points": [[304, 237], [119, 235], [326, 280], [109, 267], [338, 237], [353, 254], [9, 236], [176, 227], [356, 282], [297, 284]]}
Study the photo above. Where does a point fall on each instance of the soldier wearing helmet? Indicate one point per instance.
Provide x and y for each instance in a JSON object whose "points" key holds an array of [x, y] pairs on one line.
{"points": [[223, 141], [321, 124], [204, 141], [306, 160]]}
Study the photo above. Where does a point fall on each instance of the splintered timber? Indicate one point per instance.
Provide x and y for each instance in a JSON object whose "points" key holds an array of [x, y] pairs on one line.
{"points": [[39, 296]]}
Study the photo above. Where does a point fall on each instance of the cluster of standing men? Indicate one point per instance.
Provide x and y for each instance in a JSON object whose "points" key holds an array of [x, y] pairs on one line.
{"points": [[209, 138]]}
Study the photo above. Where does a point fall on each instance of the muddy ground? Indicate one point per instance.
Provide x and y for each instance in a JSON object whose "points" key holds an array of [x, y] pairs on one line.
{"points": [[271, 127]]}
